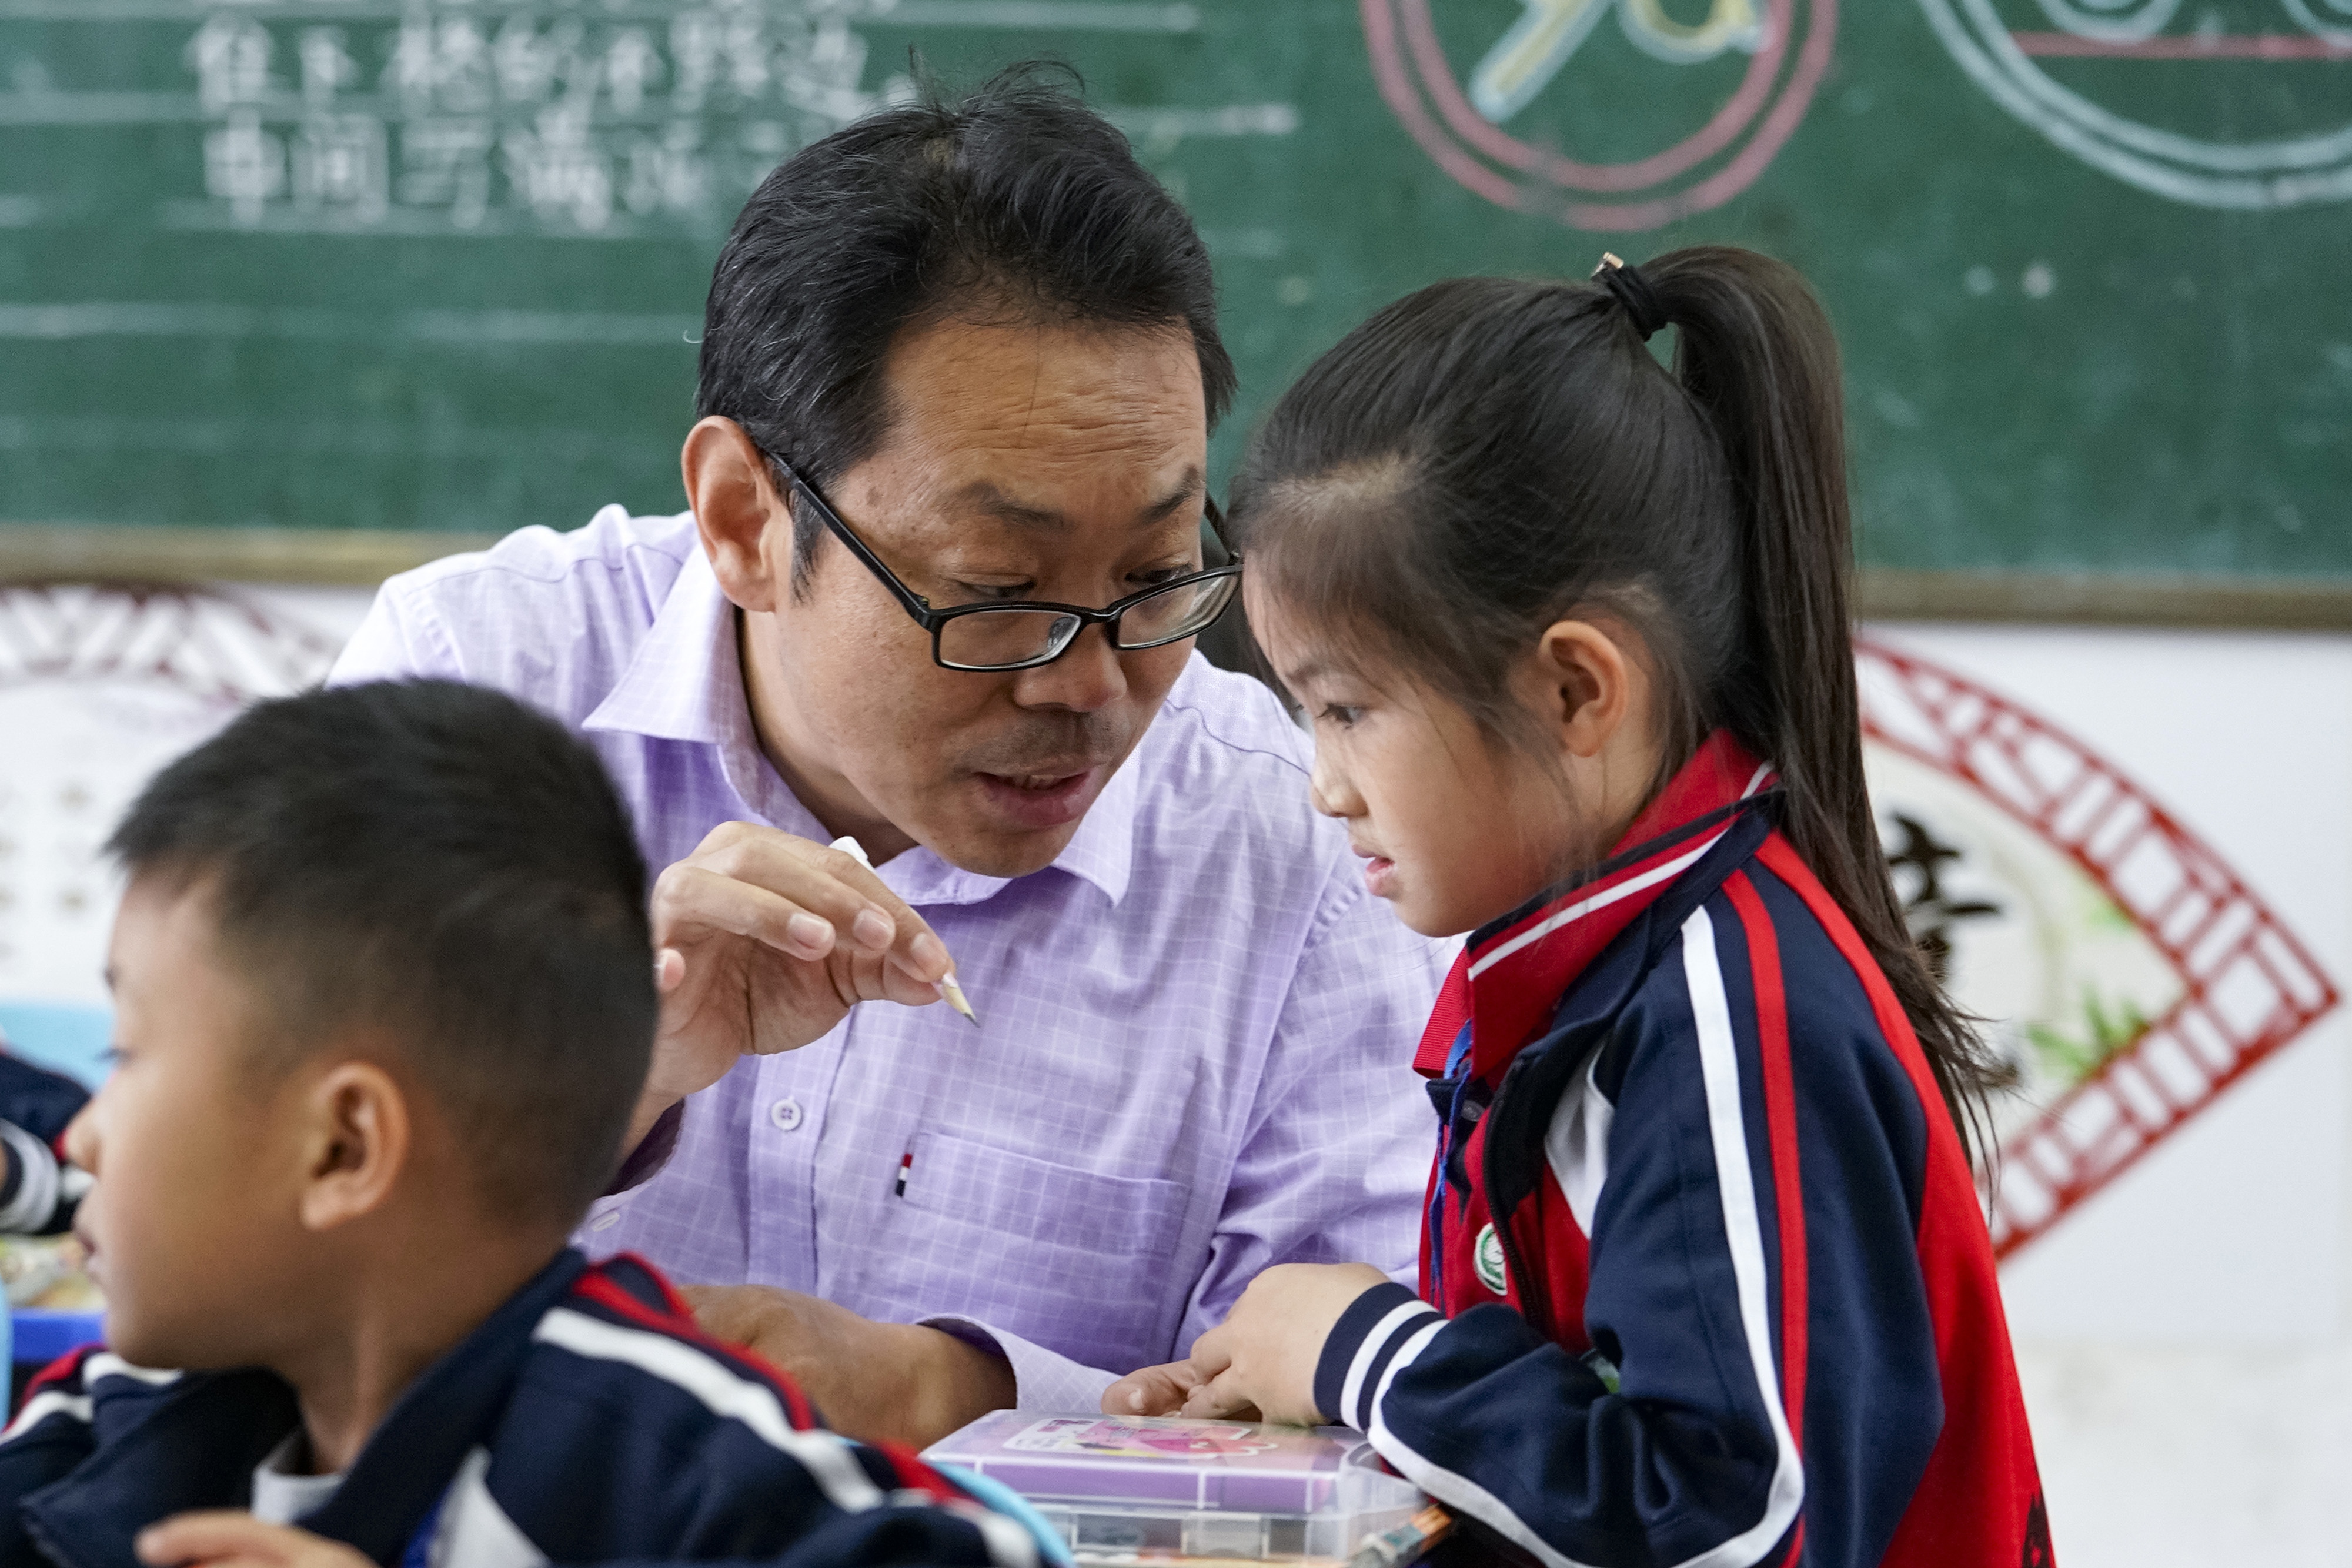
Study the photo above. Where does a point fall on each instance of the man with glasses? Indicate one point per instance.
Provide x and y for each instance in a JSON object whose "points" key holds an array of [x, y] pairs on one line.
{"points": [[950, 545]]}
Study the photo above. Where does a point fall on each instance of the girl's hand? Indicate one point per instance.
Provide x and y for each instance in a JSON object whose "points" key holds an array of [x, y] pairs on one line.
{"points": [[1264, 1354], [229, 1539], [1152, 1390]]}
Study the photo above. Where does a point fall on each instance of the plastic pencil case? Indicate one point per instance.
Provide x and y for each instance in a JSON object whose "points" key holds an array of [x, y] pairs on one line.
{"points": [[1138, 1489]]}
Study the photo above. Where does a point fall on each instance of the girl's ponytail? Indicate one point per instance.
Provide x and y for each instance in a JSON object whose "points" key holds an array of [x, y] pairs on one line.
{"points": [[1490, 454], [1755, 351]]}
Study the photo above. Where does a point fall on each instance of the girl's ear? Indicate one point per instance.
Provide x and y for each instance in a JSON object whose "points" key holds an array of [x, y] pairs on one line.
{"points": [[735, 510], [1585, 685], [356, 1144]]}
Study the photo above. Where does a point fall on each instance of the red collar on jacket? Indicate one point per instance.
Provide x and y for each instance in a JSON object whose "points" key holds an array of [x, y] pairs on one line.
{"points": [[1511, 973]]}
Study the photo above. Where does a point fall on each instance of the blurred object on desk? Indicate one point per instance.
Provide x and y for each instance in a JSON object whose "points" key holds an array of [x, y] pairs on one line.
{"points": [[51, 1273], [54, 1306]]}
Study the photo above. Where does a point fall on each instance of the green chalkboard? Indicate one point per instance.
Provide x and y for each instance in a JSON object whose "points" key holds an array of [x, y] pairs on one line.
{"points": [[436, 264]]}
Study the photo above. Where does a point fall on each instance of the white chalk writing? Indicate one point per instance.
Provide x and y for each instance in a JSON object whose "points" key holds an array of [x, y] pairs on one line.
{"points": [[448, 115]]}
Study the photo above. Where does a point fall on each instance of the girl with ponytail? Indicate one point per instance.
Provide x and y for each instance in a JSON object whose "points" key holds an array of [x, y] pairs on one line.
{"points": [[1705, 1278]]}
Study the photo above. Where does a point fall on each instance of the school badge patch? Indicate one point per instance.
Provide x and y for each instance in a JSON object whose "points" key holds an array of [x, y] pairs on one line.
{"points": [[1487, 1258]]}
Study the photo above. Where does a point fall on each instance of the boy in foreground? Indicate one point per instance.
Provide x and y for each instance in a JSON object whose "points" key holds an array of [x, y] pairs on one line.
{"points": [[384, 1000]]}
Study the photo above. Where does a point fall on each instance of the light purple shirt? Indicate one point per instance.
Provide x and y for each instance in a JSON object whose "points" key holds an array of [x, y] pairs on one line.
{"points": [[1198, 1025]]}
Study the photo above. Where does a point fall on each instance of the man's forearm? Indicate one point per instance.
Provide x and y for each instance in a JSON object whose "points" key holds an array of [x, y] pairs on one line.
{"points": [[952, 1383], [896, 1383]]}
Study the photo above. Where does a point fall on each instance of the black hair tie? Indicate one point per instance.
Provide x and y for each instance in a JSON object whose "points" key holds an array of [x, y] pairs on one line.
{"points": [[1634, 292]]}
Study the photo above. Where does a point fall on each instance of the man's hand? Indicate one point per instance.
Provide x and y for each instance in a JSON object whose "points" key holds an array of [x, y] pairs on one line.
{"points": [[227, 1539], [875, 1382], [763, 942], [1264, 1352]]}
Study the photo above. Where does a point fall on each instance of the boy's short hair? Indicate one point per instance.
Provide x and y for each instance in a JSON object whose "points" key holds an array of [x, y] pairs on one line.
{"points": [[443, 862]]}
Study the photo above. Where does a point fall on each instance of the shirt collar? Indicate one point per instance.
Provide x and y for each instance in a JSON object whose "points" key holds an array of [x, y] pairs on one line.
{"points": [[1512, 971], [685, 682]]}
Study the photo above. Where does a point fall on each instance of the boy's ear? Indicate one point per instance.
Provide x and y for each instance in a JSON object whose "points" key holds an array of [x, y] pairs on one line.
{"points": [[733, 493], [357, 1144]]}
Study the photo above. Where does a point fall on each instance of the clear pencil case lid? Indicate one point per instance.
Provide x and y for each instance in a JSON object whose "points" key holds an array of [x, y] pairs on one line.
{"points": [[1137, 1488]]}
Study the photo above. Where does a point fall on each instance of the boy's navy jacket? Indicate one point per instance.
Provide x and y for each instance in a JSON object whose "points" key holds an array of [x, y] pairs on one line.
{"points": [[585, 1421], [1704, 1280]]}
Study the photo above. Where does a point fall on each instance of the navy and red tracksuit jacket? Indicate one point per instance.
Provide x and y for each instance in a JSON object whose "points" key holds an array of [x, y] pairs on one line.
{"points": [[585, 1421], [1704, 1280]]}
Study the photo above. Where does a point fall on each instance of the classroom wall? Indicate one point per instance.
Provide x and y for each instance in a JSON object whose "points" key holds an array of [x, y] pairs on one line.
{"points": [[2185, 1332]]}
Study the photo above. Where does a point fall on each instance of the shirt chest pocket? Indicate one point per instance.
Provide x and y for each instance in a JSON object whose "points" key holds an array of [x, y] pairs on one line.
{"points": [[1087, 1264], [1038, 1201]]}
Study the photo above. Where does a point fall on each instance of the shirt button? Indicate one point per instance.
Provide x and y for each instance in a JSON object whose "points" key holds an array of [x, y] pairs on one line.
{"points": [[785, 1113], [606, 1220]]}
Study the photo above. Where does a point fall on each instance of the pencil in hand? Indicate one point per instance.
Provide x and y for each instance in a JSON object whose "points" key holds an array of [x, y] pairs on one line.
{"points": [[949, 992]]}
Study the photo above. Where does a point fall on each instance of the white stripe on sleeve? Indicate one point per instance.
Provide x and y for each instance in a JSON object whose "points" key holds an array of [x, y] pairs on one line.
{"points": [[1369, 1351], [823, 1455], [1735, 1181], [1466, 1496], [42, 1406], [1407, 1353]]}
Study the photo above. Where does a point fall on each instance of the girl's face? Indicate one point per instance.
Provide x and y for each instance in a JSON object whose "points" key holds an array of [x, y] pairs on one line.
{"points": [[1454, 830]]}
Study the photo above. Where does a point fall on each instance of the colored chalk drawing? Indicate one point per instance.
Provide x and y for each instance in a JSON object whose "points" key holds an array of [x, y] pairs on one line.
{"points": [[1458, 106], [2127, 973], [2141, 124]]}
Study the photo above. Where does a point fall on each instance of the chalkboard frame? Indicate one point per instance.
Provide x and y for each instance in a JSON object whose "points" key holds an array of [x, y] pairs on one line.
{"points": [[360, 557]]}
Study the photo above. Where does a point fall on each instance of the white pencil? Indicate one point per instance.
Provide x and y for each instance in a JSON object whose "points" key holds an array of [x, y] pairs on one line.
{"points": [[948, 988]]}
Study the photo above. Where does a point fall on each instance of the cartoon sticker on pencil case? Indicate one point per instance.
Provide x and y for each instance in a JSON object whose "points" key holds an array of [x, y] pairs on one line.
{"points": [[2128, 975], [1143, 1438]]}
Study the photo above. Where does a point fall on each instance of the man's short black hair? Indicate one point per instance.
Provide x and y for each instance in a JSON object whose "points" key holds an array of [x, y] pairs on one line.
{"points": [[448, 865], [1018, 199]]}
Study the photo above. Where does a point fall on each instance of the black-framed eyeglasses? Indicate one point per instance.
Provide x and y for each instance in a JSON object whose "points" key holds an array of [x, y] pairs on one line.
{"points": [[1024, 634]]}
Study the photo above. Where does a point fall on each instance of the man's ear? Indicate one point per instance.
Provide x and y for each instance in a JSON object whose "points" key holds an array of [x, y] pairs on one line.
{"points": [[1582, 679], [356, 1145], [745, 525]]}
